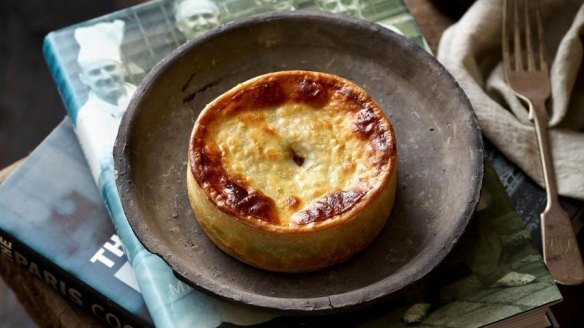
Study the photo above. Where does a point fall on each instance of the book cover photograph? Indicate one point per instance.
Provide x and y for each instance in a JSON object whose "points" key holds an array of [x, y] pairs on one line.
{"points": [[494, 274], [54, 225]]}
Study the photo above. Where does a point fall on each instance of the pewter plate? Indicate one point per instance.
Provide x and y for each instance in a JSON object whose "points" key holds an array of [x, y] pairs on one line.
{"points": [[440, 153]]}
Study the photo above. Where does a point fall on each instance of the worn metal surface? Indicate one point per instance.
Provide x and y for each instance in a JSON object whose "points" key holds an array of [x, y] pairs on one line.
{"points": [[440, 155]]}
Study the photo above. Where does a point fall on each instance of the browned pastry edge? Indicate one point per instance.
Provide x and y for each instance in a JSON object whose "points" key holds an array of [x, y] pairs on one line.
{"points": [[234, 197]]}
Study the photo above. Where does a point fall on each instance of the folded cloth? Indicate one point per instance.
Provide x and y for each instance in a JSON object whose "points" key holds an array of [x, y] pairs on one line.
{"points": [[471, 51]]}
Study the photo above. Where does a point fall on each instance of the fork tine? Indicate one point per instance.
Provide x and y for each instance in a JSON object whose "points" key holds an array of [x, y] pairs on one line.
{"points": [[542, 55], [529, 36], [507, 28], [516, 37]]}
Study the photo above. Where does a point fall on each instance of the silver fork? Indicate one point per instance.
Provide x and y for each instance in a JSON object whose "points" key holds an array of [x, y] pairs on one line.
{"points": [[526, 71]]}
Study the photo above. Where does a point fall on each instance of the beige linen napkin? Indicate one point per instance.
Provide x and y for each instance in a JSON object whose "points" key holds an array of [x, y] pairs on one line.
{"points": [[471, 51]]}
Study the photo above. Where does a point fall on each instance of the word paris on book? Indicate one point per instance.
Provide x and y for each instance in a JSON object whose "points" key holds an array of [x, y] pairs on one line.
{"points": [[59, 285], [50, 279]]}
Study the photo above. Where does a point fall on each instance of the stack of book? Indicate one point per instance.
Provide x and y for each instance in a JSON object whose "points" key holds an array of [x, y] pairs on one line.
{"points": [[56, 219]]}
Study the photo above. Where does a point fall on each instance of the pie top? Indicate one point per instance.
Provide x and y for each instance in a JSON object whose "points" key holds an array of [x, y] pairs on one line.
{"points": [[293, 151]]}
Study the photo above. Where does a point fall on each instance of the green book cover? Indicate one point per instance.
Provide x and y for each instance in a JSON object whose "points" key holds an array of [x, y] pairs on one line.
{"points": [[494, 273]]}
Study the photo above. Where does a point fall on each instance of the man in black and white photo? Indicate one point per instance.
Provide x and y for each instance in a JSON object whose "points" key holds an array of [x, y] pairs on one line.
{"points": [[102, 72], [195, 17]]}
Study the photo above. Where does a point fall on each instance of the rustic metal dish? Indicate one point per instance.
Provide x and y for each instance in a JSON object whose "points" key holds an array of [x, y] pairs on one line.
{"points": [[440, 155]]}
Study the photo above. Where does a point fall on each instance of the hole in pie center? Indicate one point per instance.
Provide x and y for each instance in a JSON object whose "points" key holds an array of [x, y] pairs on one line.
{"points": [[297, 158]]}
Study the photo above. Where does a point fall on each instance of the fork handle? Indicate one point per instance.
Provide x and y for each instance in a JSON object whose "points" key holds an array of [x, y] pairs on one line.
{"points": [[538, 114], [560, 246]]}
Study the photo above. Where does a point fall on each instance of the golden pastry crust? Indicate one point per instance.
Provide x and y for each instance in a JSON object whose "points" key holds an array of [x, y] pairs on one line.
{"points": [[292, 171]]}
